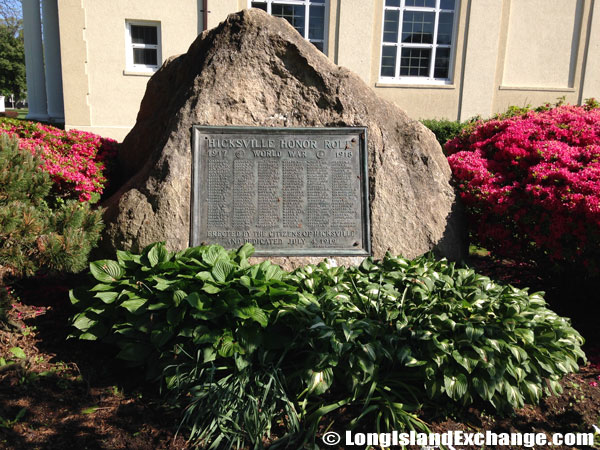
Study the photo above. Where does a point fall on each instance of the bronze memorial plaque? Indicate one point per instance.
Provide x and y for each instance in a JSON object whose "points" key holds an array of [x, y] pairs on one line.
{"points": [[287, 191]]}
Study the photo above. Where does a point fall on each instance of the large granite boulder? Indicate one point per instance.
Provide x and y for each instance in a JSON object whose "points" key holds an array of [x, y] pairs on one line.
{"points": [[256, 70]]}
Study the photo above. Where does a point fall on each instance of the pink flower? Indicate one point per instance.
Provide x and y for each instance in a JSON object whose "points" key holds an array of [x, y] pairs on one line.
{"points": [[76, 160], [531, 183]]}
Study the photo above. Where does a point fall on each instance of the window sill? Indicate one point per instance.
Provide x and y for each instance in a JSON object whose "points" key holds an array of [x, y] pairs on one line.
{"points": [[415, 86], [536, 88], [136, 73]]}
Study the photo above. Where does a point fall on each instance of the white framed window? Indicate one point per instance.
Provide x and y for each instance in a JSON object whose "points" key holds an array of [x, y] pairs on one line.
{"points": [[143, 46], [418, 41], [308, 17]]}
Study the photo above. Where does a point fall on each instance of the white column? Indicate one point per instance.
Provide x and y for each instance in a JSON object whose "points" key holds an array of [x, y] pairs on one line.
{"points": [[34, 61], [54, 88]]}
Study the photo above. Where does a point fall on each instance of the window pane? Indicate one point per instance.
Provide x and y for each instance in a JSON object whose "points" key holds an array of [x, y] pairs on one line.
{"points": [[415, 62], [417, 27], [445, 25], [261, 5], [317, 1], [316, 22], [392, 2], [390, 26], [145, 56], [294, 14], [421, 3], [143, 34], [388, 61], [442, 63], [318, 44], [447, 4]]}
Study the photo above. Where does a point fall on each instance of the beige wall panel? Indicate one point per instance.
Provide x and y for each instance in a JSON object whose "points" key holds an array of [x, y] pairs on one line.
{"points": [[516, 97], [73, 54], [356, 32], [479, 77], [542, 43], [591, 77], [218, 10], [115, 96], [425, 103]]}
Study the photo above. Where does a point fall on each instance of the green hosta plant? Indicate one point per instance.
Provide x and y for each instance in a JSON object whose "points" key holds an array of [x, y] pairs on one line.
{"points": [[450, 331], [158, 304], [243, 346]]}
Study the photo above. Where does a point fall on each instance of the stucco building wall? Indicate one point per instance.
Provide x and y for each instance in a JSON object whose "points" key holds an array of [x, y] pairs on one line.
{"points": [[506, 52]]}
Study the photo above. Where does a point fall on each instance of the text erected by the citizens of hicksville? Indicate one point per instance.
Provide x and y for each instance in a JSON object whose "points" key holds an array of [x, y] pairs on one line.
{"points": [[301, 193]]}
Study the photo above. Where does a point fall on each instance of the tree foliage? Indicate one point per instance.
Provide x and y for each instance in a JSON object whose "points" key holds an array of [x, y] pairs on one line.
{"points": [[12, 49]]}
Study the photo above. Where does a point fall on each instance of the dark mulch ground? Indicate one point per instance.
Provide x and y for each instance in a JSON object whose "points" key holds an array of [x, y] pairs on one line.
{"points": [[66, 394]]}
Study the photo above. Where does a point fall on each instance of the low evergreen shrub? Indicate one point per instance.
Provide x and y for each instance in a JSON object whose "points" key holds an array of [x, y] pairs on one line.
{"points": [[245, 347], [444, 129], [38, 231], [530, 181]]}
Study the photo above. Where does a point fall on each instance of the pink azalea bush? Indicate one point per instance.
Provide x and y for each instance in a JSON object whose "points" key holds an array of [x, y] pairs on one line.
{"points": [[531, 184], [75, 160]]}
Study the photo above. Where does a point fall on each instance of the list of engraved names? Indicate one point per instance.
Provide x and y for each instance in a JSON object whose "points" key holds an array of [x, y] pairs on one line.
{"points": [[282, 192]]}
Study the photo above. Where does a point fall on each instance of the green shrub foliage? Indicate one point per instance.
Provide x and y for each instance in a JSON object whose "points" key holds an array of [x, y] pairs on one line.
{"points": [[271, 346], [444, 129], [36, 231]]}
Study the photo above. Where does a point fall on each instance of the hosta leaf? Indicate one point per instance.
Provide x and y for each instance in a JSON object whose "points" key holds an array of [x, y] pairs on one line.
{"points": [[133, 304], [212, 254], [513, 396], [195, 301], [77, 295], [319, 382], [532, 391], [462, 360], [107, 297], [82, 322], [273, 272], [554, 387], [404, 354], [526, 335], [100, 287], [158, 254], [433, 388], [157, 306], [254, 313], [204, 276], [246, 250], [483, 388], [473, 333], [175, 315], [481, 353], [178, 296], [211, 288], [160, 337], [455, 385], [369, 350], [134, 352], [106, 270], [128, 260], [227, 347], [222, 270]]}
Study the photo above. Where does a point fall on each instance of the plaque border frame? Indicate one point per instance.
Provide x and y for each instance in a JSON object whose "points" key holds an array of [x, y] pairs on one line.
{"points": [[364, 185]]}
